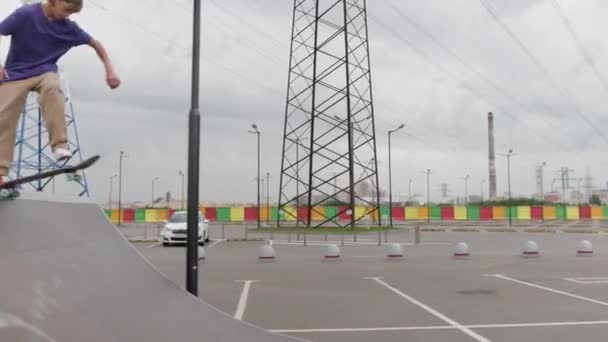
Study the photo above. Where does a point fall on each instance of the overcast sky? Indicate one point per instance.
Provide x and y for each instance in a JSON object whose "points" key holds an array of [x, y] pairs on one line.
{"points": [[550, 108]]}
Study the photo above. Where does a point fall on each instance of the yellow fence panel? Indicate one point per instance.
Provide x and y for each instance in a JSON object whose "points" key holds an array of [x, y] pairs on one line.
{"points": [[411, 213], [237, 214], [460, 212], [572, 213], [524, 212]]}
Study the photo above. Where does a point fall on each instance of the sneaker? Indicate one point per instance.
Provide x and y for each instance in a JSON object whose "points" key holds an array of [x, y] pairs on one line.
{"points": [[62, 154]]}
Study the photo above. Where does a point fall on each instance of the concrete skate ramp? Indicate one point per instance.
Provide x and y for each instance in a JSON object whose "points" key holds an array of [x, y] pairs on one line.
{"points": [[67, 275]]}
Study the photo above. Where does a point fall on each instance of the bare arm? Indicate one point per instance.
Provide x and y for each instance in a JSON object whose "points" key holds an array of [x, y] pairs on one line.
{"points": [[112, 78], [2, 73]]}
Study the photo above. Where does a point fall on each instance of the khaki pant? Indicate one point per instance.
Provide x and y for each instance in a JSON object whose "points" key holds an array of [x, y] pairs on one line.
{"points": [[13, 96]]}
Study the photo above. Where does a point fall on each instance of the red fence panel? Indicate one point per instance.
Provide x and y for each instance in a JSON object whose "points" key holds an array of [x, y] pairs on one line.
{"points": [[344, 215], [486, 213], [211, 214], [585, 213], [398, 213], [303, 214], [251, 214], [128, 215], [447, 213], [536, 213]]}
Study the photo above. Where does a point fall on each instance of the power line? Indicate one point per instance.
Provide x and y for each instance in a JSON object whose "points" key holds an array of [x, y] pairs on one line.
{"points": [[462, 83], [454, 55], [149, 31], [541, 67], [586, 55]]}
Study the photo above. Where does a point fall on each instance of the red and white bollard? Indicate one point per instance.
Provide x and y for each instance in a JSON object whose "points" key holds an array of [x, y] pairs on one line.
{"points": [[585, 248]]}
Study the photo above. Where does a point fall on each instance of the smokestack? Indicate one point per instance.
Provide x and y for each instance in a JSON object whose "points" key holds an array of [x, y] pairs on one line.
{"points": [[491, 156]]}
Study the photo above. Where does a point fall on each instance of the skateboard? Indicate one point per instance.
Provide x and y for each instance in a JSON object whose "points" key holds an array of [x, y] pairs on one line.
{"points": [[8, 190]]}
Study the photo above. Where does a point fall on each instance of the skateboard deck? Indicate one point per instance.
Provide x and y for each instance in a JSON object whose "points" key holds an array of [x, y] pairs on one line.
{"points": [[8, 189]]}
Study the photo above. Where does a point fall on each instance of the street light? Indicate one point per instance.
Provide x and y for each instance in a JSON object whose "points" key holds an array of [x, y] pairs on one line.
{"points": [[390, 179], [257, 132], [153, 181], [466, 189], [182, 176], [428, 195], [110, 199], [542, 195], [194, 140], [509, 155], [578, 195], [268, 198], [481, 186], [122, 156], [409, 191]]}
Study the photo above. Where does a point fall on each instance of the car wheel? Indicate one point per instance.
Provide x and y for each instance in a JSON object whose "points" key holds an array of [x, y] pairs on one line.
{"points": [[201, 243], [166, 244]]}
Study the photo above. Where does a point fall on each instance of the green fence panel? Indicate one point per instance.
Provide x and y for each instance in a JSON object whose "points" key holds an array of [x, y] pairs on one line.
{"points": [[331, 212], [560, 212], [223, 214], [513, 212], [385, 213], [605, 212], [473, 213], [435, 212], [140, 215]]}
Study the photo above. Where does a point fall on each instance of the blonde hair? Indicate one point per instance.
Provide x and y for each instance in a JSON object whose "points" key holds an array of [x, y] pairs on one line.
{"points": [[75, 5]]}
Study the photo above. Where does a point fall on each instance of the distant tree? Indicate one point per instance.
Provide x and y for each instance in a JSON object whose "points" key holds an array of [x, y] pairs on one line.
{"points": [[595, 200]]}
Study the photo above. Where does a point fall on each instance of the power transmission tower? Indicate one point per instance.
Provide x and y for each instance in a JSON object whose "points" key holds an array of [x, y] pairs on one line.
{"points": [[329, 142]]}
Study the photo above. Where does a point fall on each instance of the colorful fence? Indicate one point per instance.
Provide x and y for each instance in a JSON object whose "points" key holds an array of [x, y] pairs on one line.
{"points": [[437, 213]]}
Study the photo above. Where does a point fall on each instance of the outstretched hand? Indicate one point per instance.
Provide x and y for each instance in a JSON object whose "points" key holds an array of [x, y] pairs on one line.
{"points": [[113, 80], [2, 73]]}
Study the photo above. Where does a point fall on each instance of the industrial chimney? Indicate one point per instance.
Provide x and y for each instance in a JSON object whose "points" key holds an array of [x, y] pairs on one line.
{"points": [[491, 156]]}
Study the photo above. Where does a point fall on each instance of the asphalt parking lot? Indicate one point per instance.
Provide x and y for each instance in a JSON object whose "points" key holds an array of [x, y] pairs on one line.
{"points": [[494, 295]]}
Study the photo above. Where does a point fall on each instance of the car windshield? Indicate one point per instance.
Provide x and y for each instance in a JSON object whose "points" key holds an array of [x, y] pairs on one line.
{"points": [[181, 217], [178, 218]]}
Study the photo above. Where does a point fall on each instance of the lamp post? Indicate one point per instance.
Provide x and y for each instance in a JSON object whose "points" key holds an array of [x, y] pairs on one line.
{"points": [[268, 198], [509, 155], [153, 181], [542, 195], [256, 131], [466, 189], [194, 137], [181, 174], [110, 197], [122, 156], [390, 179], [409, 191], [428, 195], [481, 188]]}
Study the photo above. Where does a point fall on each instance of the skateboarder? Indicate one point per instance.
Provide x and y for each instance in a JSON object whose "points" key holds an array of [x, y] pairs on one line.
{"points": [[41, 33]]}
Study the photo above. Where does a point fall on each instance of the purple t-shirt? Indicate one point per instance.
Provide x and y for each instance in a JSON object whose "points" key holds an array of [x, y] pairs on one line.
{"points": [[37, 42]]}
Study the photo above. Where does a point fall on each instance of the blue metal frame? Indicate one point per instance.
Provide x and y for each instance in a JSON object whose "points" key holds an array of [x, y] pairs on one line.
{"points": [[34, 154]]}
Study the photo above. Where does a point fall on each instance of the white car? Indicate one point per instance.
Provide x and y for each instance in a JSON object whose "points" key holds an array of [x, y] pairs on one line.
{"points": [[175, 229]]}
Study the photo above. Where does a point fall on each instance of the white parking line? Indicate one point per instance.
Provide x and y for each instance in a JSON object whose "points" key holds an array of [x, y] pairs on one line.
{"points": [[432, 311], [563, 293], [589, 280], [215, 243], [154, 245], [240, 309], [444, 327]]}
